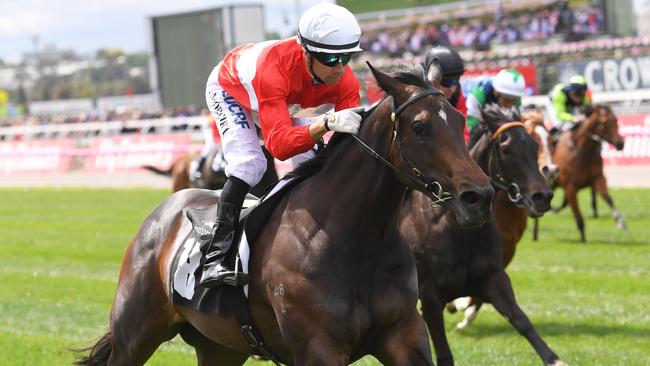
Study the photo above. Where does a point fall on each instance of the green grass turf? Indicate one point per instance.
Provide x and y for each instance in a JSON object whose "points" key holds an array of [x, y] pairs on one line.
{"points": [[60, 252]]}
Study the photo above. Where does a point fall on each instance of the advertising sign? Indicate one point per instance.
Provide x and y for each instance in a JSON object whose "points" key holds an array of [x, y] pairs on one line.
{"points": [[627, 73], [128, 153], [37, 156]]}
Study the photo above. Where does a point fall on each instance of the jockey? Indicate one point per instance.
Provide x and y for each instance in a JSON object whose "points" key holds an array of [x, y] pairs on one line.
{"points": [[210, 138], [453, 68], [566, 101], [270, 79], [505, 89]]}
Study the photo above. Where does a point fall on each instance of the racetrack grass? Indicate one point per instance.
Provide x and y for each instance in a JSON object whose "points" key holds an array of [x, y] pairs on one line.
{"points": [[60, 252]]}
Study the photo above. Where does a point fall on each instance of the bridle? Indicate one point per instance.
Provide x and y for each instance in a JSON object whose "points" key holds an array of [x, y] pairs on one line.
{"points": [[415, 175], [496, 178]]}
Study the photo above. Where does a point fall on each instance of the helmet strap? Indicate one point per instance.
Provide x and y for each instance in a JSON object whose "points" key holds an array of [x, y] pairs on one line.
{"points": [[314, 78]]}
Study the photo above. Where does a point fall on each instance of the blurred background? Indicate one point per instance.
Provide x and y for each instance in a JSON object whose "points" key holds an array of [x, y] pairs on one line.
{"points": [[114, 85], [91, 91]]}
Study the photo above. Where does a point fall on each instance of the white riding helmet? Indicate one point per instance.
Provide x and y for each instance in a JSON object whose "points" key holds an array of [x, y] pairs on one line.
{"points": [[510, 82], [330, 28]]}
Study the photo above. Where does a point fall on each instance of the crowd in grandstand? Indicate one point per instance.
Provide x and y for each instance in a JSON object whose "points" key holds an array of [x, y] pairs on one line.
{"points": [[118, 114], [480, 33]]}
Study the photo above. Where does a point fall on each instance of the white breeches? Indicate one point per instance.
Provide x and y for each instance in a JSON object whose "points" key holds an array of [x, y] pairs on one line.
{"points": [[239, 141]]}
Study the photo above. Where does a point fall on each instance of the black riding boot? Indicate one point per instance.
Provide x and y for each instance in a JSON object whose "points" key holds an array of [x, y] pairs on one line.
{"points": [[219, 267]]}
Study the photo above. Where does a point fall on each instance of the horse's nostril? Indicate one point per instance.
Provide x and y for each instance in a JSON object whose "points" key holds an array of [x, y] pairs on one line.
{"points": [[620, 145], [541, 198], [545, 171], [470, 197]]}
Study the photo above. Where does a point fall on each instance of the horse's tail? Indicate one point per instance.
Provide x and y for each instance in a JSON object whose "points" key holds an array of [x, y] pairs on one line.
{"points": [[159, 171], [99, 352]]}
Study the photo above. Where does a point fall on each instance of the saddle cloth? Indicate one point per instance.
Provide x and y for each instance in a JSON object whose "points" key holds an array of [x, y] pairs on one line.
{"points": [[186, 266]]}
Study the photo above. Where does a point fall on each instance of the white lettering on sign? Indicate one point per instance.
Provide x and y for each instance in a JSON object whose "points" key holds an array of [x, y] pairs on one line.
{"points": [[610, 75], [592, 68], [629, 73]]}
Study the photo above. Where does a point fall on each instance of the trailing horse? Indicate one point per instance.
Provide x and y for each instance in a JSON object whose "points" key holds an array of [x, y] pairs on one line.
{"points": [[211, 178], [328, 284], [511, 220], [454, 260], [577, 154]]}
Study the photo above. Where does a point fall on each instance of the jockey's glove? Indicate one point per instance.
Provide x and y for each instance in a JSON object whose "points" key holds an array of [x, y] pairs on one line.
{"points": [[578, 118], [346, 120]]}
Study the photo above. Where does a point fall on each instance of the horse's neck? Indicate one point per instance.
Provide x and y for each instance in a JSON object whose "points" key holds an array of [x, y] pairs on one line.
{"points": [[584, 141], [480, 152], [361, 195]]}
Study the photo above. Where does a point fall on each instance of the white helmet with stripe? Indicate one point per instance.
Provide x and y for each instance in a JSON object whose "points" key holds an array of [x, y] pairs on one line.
{"points": [[329, 28]]}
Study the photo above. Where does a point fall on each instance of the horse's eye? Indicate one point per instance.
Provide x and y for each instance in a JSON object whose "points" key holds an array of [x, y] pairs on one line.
{"points": [[420, 128]]}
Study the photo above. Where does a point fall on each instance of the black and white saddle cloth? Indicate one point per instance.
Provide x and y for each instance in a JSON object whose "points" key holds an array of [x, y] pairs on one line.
{"points": [[186, 266]]}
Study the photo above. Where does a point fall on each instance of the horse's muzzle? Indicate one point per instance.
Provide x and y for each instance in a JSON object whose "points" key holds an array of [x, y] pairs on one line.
{"points": [[475, 205], [540, 202]]}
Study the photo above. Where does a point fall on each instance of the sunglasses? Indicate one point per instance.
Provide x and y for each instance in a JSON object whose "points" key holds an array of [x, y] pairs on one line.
{"points": [[448, 83], [332, 59]]}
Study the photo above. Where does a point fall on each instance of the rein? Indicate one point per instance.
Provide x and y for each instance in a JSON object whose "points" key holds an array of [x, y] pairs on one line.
{"points": [[512, 189], [415, 175]]}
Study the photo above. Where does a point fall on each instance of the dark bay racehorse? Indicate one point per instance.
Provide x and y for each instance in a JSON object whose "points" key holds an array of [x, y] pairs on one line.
{"points": [[211, 179], [328, 286], [577, 154], [511, 220], [454, 260]]}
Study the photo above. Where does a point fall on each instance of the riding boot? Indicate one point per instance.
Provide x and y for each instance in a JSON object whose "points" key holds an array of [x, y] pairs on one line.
{"points": [[218, 267]]}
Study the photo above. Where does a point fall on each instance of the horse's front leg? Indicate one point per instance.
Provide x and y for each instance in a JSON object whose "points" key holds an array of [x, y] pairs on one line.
{"points": [[500, 294], [600, 187], [571, 196], [432, 308], [319, 350], [406, 344]]}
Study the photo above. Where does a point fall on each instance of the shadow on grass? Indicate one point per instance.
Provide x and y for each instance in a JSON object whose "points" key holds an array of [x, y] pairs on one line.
{"points": [[551, 328]]}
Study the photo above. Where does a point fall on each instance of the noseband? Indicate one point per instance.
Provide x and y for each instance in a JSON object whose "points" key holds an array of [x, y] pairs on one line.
{"points": [[497, 179], [415, 175]]}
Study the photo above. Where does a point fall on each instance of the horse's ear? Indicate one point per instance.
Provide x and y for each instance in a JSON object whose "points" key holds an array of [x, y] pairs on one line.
{"points": [[434, 72], [385, 81], [588, 110]]}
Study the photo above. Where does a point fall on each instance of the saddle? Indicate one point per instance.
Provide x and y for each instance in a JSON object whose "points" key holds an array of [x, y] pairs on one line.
{"points": [[186, 265]]}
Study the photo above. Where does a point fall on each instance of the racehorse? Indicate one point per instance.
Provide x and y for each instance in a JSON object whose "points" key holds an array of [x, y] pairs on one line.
{"points": [[511, 221], [211, 178], [577, 154], [327, 286], [453, 260]]}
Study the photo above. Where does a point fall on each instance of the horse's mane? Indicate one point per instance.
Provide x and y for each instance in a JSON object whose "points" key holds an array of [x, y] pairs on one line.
{"points": [[411, 74], [315, 164], [406, 73]]}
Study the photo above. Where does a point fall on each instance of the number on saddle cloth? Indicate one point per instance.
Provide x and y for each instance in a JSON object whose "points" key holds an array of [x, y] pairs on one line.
{"points": [[186, 266]]}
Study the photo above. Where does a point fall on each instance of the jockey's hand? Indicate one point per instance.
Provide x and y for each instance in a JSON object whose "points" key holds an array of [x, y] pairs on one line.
{"points": [[346, 120], [578, 118]]}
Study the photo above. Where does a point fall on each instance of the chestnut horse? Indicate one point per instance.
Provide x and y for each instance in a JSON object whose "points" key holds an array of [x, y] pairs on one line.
{"points": [[328, 286], [211, 179], [577, 154], [454, 260]]}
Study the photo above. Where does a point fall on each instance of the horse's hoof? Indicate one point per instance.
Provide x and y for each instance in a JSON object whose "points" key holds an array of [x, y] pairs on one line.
{"points": [[462, 325], [558, 363]]}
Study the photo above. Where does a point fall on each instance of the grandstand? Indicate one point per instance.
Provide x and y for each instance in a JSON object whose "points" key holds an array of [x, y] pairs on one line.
{"points": [[546, 40]]}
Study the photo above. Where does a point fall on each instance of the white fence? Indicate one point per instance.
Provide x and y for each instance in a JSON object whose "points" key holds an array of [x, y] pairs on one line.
{"points": [[91, 129]]}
